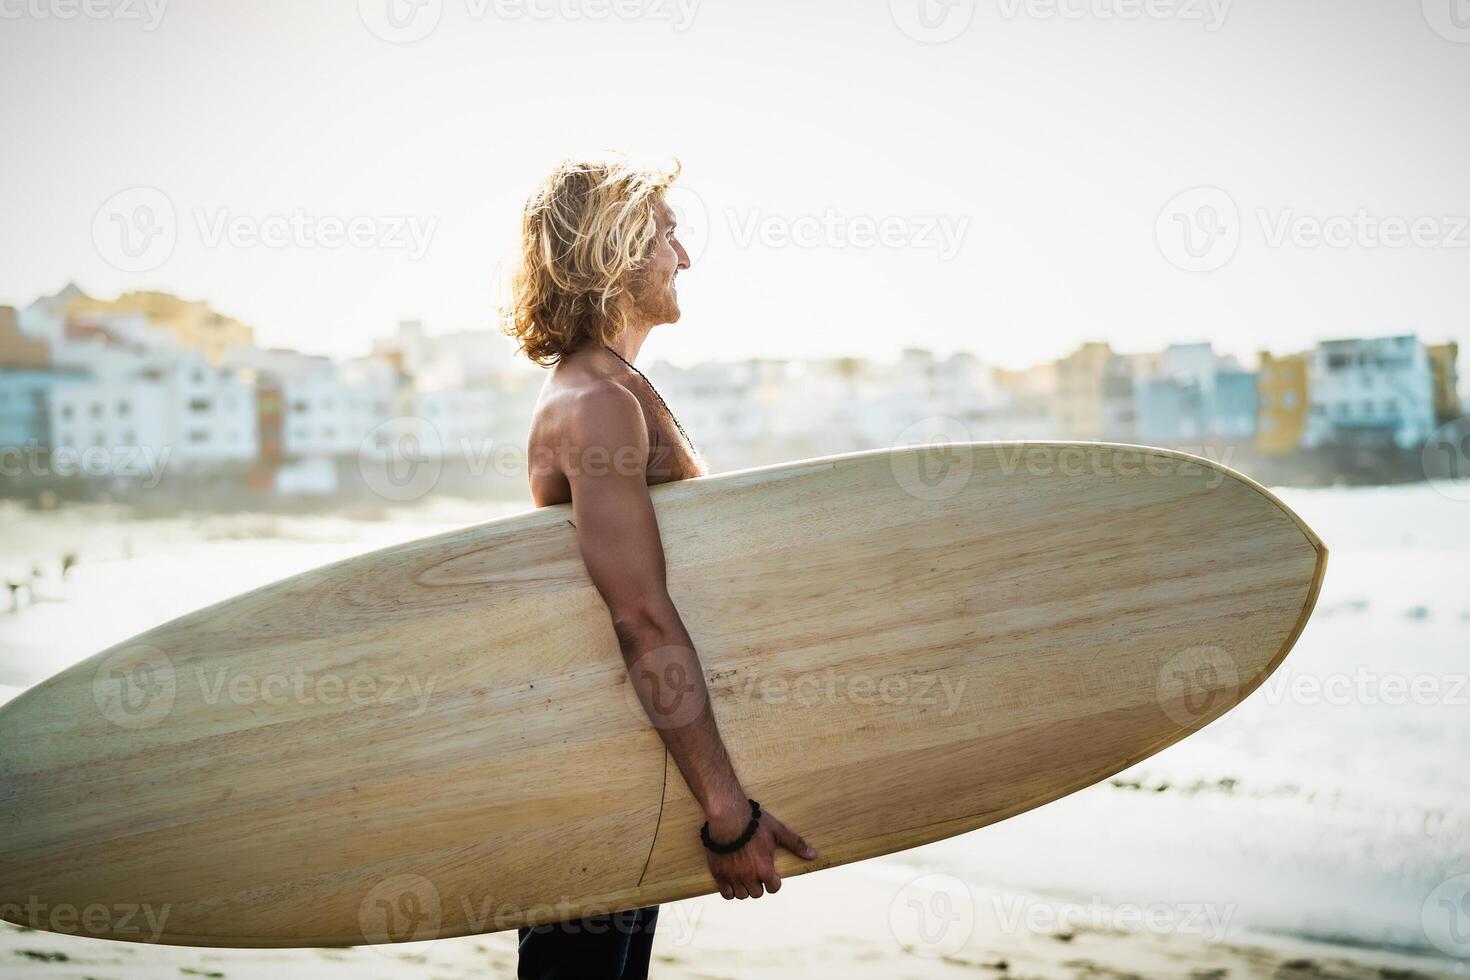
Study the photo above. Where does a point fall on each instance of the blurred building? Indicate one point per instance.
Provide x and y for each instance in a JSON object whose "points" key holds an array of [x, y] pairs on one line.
{"points": [[1444, 365], [1373, 393], [1025, 399], [1077, 411], [18, 350], [1282, 416], [1192, 396], [189, 414], [192, 323]]}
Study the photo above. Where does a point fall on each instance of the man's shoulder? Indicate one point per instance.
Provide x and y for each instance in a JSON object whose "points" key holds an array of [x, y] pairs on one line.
{"points": [[597, 405]]}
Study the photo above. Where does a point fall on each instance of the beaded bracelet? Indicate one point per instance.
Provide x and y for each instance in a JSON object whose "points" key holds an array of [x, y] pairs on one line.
{"points": [[739, 842]]}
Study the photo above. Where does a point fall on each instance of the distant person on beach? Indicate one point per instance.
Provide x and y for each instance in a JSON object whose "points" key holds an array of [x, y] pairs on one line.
{"points": [[599, 259]]}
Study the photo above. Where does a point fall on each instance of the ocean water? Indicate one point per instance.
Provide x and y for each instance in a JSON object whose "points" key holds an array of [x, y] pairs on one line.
{"points": [[1333, 804]]}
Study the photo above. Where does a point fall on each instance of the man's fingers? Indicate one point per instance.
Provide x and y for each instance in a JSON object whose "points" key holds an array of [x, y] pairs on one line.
{"points": [[726, 892], [740, 893], [773, 882], [793, 843], [755, 889]]}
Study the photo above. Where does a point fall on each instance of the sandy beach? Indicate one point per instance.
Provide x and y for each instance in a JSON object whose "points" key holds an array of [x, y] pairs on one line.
{"points": [[845, 922]]}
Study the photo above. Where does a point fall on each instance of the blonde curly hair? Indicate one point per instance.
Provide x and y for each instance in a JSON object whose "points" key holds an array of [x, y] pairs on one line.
{"points": [[585, 235]]}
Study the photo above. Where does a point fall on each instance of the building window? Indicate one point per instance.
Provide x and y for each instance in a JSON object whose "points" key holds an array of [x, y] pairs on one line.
{"points": [[122, 409], [199, 405], [130, 438], [1289, 399], [198, 436], [66, 412], [96, 410]]}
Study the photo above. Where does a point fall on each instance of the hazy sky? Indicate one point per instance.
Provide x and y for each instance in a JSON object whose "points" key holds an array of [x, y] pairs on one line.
{"points": [[1002, 176]]}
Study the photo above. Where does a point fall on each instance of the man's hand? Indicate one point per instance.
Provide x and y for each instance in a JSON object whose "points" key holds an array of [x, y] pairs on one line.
{"points": [[751, 871]]}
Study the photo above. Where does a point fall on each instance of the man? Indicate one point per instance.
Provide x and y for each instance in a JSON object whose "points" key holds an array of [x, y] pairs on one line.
{"points": [[599, 259]]}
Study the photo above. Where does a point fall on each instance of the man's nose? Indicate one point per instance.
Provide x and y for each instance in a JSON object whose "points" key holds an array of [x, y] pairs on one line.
{"points": [[683, 255]]}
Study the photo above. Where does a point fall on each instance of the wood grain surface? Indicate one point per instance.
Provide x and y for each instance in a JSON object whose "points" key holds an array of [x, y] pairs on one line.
{"points": [[439, 738]]}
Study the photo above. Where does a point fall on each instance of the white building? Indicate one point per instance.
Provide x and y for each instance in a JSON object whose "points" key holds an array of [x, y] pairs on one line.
{"points": [[726, 407], [1372, 392], [333, 410], [186, 413], [458, 423]]}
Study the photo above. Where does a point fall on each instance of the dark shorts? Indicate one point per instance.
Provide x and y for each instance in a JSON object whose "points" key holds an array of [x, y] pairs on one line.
{"points": [[599, 947]]}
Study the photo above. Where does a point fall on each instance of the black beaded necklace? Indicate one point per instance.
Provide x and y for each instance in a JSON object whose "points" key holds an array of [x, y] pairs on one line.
{"points": [[656, 395]]}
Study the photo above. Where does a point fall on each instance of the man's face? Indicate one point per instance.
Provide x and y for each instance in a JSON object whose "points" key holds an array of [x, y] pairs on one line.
{"points": [[656, 298]]}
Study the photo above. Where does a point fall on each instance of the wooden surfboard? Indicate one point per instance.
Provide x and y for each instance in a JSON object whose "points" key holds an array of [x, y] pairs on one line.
{"points": [[439, 738]]}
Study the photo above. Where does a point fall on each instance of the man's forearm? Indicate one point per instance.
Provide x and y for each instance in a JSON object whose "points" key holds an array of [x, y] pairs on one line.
{"points": [[665, 670]]}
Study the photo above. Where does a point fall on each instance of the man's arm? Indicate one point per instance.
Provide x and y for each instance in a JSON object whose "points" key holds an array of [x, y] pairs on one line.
{"points": [[605, 461]]}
